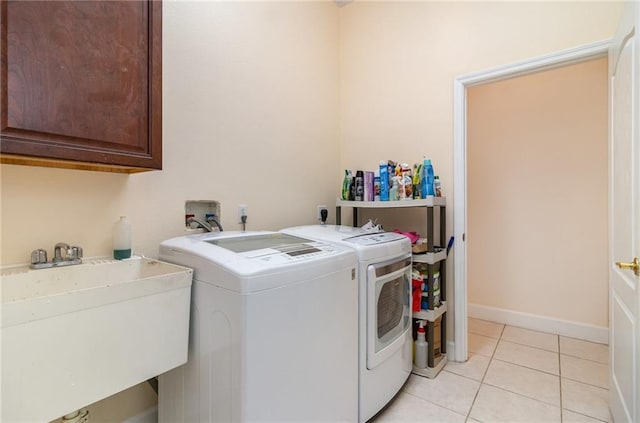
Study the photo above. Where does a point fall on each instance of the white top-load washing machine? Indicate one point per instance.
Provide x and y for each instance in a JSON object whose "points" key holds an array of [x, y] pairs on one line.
{"points": [[384, 301], [273, 331]]}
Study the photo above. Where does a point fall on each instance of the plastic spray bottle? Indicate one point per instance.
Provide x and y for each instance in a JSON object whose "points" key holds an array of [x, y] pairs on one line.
{"points": [[421, 348]]}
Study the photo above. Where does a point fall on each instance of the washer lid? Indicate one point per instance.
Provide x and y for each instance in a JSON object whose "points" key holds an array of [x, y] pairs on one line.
{"points": [[255, 261], [243, 244]]}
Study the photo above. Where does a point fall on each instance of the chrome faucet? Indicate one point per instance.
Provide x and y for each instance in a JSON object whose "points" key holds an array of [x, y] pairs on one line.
{"points": [[72, 255], [204, 225], [57, 251], [211, 219]]}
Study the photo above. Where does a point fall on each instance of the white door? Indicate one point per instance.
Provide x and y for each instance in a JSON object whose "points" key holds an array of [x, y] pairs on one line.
{"points": [[624, 218]]}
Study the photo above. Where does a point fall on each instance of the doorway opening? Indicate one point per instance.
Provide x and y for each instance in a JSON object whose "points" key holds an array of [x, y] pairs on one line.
{"points": [[461, 84]]}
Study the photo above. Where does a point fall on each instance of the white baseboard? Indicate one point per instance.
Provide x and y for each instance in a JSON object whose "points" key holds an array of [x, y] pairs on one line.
{"points": [[568, 328], [150, 415]]}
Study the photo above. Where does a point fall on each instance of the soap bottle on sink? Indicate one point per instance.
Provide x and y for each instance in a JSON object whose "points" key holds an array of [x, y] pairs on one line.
{"points": [[122, 239]]}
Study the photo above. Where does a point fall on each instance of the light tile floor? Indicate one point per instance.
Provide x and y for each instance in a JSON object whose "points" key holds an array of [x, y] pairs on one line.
{"points": [[512, 375]]}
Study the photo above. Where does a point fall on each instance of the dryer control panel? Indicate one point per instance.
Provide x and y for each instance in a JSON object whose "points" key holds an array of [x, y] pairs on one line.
{"points": [[375, 238]]}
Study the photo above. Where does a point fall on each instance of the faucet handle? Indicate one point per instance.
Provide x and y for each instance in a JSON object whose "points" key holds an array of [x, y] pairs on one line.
{"points": [[74, 253], [38, 256], [57, 251]]}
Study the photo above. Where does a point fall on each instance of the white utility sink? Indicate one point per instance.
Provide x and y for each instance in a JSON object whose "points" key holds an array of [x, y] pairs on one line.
{"points": [[75, 335]]}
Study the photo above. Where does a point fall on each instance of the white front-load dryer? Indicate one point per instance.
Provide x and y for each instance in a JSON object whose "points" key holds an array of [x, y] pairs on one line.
{"points": [[273, 331], [384, 301]]}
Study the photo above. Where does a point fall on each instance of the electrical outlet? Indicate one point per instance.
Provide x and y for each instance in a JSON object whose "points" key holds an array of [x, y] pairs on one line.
{"points": [[320, 208], [243, 210]]}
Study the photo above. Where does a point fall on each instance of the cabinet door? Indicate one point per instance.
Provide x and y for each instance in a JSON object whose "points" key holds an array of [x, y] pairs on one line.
{"points": [[81, 82]]}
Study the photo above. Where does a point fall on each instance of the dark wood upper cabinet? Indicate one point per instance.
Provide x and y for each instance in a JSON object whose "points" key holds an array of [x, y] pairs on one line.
{"points": [[82, 84]]}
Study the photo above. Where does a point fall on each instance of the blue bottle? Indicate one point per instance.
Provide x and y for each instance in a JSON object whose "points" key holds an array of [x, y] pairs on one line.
{"points": [[428, 189], [384, 181]]}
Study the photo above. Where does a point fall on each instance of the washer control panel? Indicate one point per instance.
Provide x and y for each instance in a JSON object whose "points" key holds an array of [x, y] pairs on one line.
{"points": [[292, 252]]}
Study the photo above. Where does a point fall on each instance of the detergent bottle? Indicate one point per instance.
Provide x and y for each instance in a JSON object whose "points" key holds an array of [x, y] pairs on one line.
{"points": [[427, 180], [384, 180]]}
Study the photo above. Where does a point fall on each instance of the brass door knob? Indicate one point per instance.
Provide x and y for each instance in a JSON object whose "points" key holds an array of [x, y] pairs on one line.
{"points": [[634, 265]]}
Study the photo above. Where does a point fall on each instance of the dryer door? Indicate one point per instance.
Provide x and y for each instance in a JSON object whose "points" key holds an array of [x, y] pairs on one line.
{"points": [[388, 312]]}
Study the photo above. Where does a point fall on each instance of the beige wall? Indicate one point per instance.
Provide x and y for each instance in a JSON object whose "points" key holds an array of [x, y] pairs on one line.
{"points": [[398, 61], [265, 103], [250, 98], [537, 194]]}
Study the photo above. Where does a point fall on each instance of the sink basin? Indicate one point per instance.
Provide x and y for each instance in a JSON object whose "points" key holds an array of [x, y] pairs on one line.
{"points": [[75, 335]]}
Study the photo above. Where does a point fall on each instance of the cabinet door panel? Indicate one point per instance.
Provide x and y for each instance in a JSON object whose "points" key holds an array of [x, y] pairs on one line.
{"points": [[81, 80]]}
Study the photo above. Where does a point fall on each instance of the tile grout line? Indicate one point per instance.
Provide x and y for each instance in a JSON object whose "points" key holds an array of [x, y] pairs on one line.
{"points": [[540, 349], [524, 367], [530, 346], [521, 395], [431, 401], [560, 379], [585, 359], [559, 375], [574, 379], [485, 373], [587, 416], [587, 383], [508, 341], [542, 371], [529, 368], [492, 357], [584, 340], [581, 381]]}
